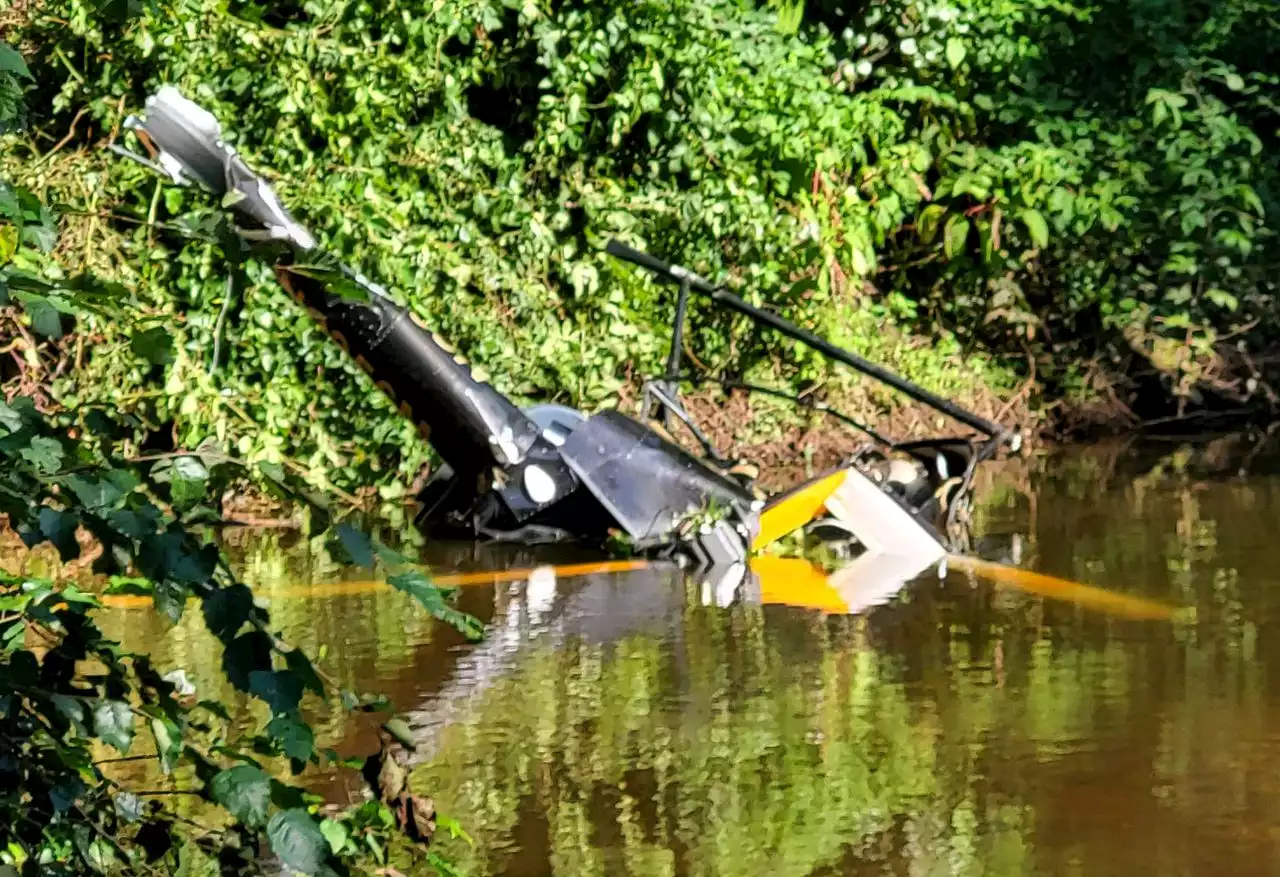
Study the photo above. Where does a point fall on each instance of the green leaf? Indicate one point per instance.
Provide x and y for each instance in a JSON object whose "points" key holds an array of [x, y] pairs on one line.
{"points": [[281, 690], [155, 345], [191, 468], [1036, 227], [248, 653], [45, 318], [245, 791], [11, 61], [986, 240], [168, 737], [357, 544], [44, 453], [1222, 299], [295, 737], [416, 584], [12, 417], [10, 206], [955, 51], [274, 471], [59, 529], [955, 235], [400, 730], [92, 849], [297, 840], [64, 795], [1235, 82], [102, 493], [113, 723], [305, 671], [336, 833], [174, 556], [71, 708], [226, 611], [186, 492], [930, 219]]}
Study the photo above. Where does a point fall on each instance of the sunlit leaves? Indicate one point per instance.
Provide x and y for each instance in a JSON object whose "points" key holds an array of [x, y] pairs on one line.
{"points": [[336, 833], [113, 722], [168, 741], [1036, 227], [955, 233]]}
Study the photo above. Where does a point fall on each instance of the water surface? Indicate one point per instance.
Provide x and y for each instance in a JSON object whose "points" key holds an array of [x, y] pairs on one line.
{"points": [[624, 723]]}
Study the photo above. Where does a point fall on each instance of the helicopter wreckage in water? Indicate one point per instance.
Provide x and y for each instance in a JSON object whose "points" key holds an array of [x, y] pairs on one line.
{"points": [[551, 473]]}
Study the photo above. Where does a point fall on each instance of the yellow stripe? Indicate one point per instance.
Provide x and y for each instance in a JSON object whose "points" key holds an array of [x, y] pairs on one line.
{"points": [[448, 580], [795, 509]]}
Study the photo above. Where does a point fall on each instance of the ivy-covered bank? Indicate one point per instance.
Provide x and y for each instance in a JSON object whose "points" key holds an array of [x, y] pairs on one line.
{"points": [[1035, 205]]}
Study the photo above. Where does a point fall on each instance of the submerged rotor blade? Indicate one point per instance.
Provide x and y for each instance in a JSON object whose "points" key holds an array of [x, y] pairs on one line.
{"points": [[368, 586], [1066, 590]]}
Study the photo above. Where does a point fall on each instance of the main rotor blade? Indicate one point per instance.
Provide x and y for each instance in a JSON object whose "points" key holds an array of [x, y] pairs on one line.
{"points": [[1066, 590], [369, 586]]}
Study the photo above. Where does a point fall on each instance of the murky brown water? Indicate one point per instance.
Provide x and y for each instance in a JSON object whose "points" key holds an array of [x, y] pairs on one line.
{"points": [[621, 723]]}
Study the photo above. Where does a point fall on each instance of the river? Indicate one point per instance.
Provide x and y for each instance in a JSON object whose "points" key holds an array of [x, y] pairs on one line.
{"points": [[623, 723]]}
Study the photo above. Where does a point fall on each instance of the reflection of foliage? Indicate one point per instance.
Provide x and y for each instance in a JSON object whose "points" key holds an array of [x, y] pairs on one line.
{"points": [[739, 749], [960, 733]]}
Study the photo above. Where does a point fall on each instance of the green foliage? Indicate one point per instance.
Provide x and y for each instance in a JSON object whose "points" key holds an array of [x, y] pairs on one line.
{"points": [[1058, 183], [1117, 162], [474, 160]]}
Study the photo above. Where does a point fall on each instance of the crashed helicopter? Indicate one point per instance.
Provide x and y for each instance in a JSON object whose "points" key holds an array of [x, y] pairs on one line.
{"points": [[552, 473]]}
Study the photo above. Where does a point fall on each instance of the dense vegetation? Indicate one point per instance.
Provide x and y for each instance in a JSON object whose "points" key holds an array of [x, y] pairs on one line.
{"points": [[1072, 200], [70, 692]]}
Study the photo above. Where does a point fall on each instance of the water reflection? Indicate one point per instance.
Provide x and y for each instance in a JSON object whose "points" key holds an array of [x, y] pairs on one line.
{"points": [[621, 723]]}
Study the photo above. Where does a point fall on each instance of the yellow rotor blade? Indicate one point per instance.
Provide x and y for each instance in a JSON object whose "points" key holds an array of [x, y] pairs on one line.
{"points": [[794, 509], [366, 586], [1072, 592]]}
